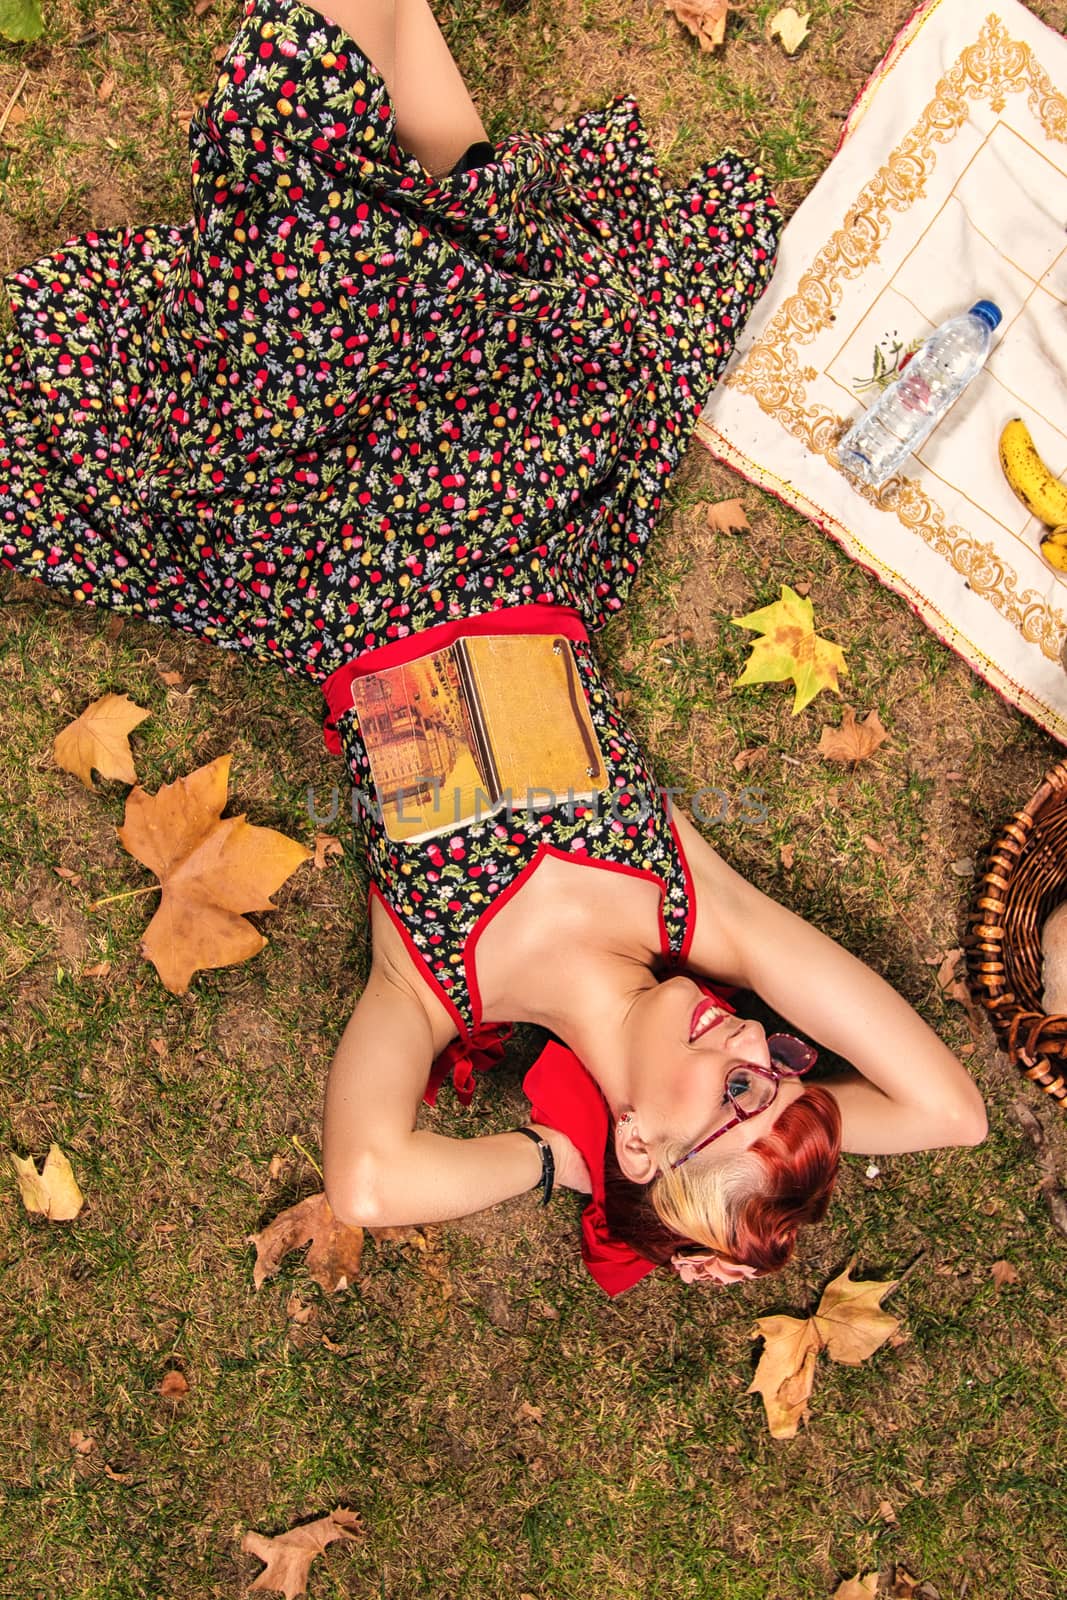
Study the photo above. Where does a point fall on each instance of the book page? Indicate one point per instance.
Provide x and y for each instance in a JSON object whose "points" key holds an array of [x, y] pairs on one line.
{"points": [[416, 726], [536, 717]]}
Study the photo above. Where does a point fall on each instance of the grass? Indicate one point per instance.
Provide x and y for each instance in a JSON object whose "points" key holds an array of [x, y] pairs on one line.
{"points": [[648, 1472]]}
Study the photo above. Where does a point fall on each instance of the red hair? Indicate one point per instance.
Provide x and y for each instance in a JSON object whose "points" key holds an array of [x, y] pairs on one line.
{"points": [[797, 1160]]}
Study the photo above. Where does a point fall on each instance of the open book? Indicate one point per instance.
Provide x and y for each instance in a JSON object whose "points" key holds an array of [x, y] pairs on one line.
{"points": [[489, 723]]}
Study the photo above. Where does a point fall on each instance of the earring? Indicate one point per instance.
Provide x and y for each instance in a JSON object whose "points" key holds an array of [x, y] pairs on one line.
{"points": [[625, 1119]]}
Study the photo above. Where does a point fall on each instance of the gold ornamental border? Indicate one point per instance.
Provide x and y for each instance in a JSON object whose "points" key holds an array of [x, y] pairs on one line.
{"points": [[993, 67]]}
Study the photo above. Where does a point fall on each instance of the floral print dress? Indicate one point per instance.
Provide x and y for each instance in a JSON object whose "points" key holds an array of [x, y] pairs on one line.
{"points": [[348, 401]]}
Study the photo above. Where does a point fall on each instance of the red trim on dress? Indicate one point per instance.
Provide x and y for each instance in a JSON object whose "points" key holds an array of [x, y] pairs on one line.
{"points": [[527, 872], [421, 964], [690, 898], [533, 619]]}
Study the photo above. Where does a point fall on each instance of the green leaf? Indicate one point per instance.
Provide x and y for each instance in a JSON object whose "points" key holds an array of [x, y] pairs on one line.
{"points": [[21, 19], [791, 648]]}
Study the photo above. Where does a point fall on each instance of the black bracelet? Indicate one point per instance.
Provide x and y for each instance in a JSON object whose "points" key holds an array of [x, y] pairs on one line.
{"points": [[548, 1164]]}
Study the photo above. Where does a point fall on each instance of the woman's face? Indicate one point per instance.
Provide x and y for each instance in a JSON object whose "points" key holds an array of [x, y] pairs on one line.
{"points": [[681, 1045]]}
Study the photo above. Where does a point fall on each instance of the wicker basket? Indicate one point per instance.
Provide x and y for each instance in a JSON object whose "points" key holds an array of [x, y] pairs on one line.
{"points": [[1024, 878]]}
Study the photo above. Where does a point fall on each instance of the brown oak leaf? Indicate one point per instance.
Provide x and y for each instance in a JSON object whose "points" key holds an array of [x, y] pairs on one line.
{"points": [[852, 741], [174, 1385], [210, 868], [99, 739], [706, 19], [336, 1250], [727, 516], [288, 1556], [1003, 1272]]}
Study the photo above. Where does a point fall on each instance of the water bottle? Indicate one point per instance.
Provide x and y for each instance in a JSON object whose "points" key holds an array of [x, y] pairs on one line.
{"points": [[906, 413]]}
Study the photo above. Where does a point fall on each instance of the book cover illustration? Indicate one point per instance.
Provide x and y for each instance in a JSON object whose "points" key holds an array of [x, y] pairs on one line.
{"points": [[492, 722]]}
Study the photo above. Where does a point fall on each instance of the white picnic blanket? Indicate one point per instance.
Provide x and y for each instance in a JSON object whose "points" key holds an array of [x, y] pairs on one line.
{"points": [[950, 185]]}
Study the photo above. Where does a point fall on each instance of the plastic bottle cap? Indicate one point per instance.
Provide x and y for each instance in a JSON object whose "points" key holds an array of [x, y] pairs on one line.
{"points": [[989, 312]]}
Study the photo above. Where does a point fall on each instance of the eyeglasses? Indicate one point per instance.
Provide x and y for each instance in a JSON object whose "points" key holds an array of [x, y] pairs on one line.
{"points": [[752, 1088]]}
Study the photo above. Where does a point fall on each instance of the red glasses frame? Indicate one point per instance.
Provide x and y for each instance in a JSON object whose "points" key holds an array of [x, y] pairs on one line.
{"points": [[780, 1046]]}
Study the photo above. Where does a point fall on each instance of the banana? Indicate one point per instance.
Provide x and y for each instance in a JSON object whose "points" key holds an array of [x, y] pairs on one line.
{"points": [[1054, 548], [1041, 492]]}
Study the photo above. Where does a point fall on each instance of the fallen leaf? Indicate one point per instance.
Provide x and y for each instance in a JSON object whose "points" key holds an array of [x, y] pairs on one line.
{"points": [[21, 19], [81, 1443], [335, 1254], [964, 867], [529, 1413], [210, 869], [202, 6], [946, 972], [298, 1310], [786, 1371], [874, 845], [106, 88], [171, 679], [400, 1235], [790, 28], [326, 845], [706, 19], [280, 1167], [99, 739], [117, 1477], [787, 855], [53, 1192], [753, 757], [174, 1385], [67, 874], [857, 1588], [850, 1320], [886, 1512], [288, 1556], [99, 970], [848, 1324], [727, 516], [1003, 1272], [852, 741], [791, 648]]}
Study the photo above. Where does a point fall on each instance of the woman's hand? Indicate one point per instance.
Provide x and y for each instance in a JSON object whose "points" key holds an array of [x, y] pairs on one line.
{"points": [[571, 1170]]}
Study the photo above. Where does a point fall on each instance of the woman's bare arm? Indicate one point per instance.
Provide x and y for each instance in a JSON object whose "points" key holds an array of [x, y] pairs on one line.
{"points": [[381, 1170], [909, 1091]]}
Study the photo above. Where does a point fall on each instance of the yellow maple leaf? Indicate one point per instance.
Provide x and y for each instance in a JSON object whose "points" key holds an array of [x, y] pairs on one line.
{"points": [[791, 649], [210, 868], [100, 738], [790, 27], [53, 1192]]}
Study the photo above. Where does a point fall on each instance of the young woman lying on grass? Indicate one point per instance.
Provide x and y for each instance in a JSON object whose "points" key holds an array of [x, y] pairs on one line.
{"points": [[394, 385]]}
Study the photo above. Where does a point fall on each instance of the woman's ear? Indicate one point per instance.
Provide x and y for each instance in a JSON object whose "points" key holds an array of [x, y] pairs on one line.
{"points": [[635, 1159]]}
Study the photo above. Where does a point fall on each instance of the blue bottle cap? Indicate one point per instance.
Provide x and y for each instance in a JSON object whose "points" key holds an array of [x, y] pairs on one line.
{"points": [[989, 313]]}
